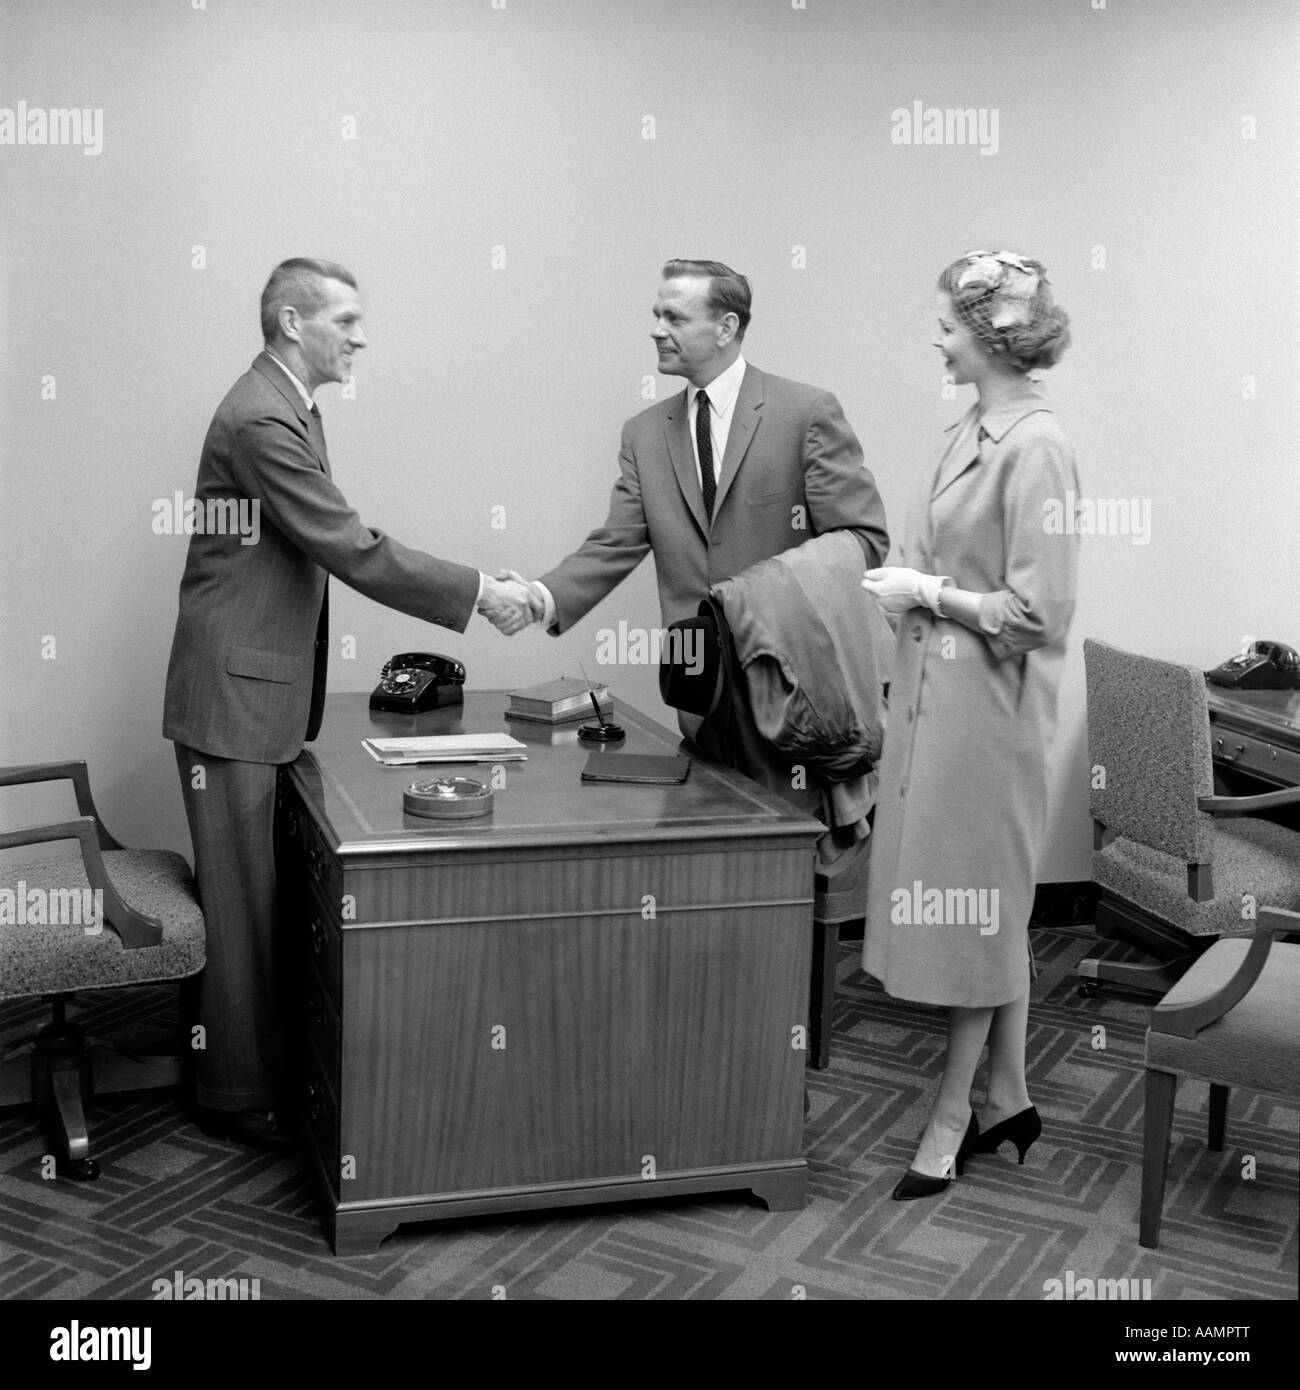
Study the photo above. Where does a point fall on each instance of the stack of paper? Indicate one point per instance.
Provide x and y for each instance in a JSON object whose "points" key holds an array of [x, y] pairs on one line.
{"points": [[446, 748]]}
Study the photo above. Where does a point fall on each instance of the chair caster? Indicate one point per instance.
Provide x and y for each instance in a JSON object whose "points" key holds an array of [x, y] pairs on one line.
{"points": [[78, 1169], [1087, 988]]}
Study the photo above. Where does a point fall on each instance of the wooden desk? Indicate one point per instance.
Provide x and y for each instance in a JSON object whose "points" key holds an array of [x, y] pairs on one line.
{"points": [[1256, 733], [597, 993]]}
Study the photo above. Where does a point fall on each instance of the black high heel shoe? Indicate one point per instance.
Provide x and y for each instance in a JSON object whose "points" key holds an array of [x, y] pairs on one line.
{"points": [[913, 1184], [1021, 1129]]}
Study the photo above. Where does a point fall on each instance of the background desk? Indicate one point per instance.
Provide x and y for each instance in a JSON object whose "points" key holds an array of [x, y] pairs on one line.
{"points": [[1256, 733], [1255, 743], [495, 1020]]}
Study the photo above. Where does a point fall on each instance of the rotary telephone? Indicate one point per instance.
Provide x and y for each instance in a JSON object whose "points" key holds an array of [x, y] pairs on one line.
{"points": [[413, 682], [1263, 665]]}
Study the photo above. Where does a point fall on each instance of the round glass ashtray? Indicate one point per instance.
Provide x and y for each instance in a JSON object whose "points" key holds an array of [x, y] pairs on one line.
{"points": [[448, 798]]}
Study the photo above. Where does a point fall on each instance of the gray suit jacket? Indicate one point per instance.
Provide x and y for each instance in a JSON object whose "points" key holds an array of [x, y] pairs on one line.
{"points": [[247, 675], [793, 469]]}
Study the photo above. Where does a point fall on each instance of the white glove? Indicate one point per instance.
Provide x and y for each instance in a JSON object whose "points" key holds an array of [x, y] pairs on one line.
{"points": [[899, 589]]}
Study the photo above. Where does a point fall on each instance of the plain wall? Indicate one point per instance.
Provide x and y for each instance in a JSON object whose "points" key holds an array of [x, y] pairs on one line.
{"points": [[506, 216]]}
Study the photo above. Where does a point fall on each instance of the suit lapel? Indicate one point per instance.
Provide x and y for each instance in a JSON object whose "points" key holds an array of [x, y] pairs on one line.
{"points": [[963, 452], [678, 434], [744, 425], [273, 373]]}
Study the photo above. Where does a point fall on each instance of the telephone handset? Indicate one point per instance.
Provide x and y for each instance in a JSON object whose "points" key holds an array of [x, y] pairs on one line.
{"points": [[413, 682], [1263, 665]]}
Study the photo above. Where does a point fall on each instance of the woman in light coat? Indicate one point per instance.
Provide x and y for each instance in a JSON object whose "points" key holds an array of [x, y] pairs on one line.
{"points": [[984, 593]]}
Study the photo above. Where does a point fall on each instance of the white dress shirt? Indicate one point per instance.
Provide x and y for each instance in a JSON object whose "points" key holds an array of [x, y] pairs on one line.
{"points": [[302, 390], [722, 392]]}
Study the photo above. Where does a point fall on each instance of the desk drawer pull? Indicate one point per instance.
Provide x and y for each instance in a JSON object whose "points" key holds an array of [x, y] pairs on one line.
{"points": [[319, 936], [315, 861]]}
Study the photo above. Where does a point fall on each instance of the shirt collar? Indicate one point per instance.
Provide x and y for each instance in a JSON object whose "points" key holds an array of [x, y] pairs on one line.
{"points": [[1024, 400], [724, 388], [1027, 397], [302, 390]]}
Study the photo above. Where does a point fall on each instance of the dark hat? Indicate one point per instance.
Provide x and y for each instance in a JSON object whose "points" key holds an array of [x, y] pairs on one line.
{"points": [[691, 667]]}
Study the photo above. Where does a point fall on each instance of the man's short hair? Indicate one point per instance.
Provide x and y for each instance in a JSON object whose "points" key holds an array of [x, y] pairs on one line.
{"points": [[297, 283], [729, 291]]}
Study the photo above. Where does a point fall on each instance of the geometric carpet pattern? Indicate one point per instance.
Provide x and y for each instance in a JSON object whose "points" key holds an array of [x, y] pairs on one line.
{"points": [[170, 1199]]}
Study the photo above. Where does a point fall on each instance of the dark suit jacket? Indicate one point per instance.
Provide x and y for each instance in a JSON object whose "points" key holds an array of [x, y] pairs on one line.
{"points": [[244, 664], [793, 469]]}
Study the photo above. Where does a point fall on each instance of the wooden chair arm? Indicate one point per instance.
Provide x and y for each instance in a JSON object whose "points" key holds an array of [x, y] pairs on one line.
{"points": [[1186, 1020], [73, 769], [135, 928], [1248, 805]]}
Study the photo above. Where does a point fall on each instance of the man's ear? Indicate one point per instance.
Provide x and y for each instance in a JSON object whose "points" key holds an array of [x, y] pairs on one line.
{"points": [[727, 326], [290, 323]]}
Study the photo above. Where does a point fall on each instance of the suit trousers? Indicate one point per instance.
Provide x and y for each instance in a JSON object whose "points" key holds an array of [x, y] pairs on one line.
{"points": [[231, 814]]}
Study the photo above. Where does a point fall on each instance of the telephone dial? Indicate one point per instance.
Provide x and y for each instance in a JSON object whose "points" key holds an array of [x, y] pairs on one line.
{"points": [[413, 682], [1262, 666]]}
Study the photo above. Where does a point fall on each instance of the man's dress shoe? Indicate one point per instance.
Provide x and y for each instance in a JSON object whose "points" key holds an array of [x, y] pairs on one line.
{"points": [[264, 1129]]}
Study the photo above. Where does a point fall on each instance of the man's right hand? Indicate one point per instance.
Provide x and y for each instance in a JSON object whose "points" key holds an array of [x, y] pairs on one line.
{"points": [[536, 594], [510, 603]]}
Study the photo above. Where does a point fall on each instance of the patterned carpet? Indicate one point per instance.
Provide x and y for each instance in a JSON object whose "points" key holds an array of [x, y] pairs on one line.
{"points": [[170, 1199]]}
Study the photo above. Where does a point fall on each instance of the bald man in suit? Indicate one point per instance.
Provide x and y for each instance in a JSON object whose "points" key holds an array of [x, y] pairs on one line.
{"points": [[246, 679], [781, 465]]}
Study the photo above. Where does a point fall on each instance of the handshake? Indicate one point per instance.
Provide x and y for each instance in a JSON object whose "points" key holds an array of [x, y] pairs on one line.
{"points": [[510, 602]]}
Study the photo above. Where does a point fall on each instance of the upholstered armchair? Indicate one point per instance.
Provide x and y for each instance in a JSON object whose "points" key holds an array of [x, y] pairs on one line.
{"points": [[124, 917]]}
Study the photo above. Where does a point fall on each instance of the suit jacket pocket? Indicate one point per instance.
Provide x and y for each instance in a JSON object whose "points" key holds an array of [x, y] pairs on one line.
{"points": [[790, 492], [262, 665]]}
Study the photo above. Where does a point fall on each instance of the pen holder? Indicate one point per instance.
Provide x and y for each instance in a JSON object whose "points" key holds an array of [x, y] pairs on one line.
{"points": [[601, 733]]}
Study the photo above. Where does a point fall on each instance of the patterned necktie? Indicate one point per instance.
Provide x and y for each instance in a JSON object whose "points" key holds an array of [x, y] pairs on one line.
{"points": [[320, 438], [704, 445], [321, 662]]}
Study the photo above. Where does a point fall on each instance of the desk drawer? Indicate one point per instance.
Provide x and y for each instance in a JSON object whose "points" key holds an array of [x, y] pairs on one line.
{"points": [[324, 1027], [319, 861], [1255, 755], [321, 1113], [325, 943], [646, 882]]}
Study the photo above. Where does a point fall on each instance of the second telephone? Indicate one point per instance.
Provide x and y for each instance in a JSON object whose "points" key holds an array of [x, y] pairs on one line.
{"points": [[413, 682], [1263, 666]]}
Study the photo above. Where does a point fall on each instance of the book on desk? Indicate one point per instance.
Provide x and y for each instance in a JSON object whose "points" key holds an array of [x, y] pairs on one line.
{"points": [[561, 701]]}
